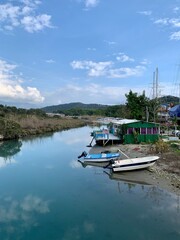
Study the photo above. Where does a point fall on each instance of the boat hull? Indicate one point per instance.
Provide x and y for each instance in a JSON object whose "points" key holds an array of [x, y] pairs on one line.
{"points": [[99, 163], [102, 156], [134, 163]]}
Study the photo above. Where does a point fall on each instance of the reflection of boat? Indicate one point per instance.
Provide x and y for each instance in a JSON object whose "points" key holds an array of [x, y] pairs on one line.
{"points": [[133, 163], [129, 177], [103, 159]]}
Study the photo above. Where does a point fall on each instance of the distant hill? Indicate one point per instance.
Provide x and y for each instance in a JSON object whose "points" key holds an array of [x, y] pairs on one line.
{"points": [[169, 99], [70, 106]]}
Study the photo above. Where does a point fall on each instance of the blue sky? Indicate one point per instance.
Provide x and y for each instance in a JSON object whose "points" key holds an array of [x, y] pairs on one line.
{"points": [[91, 51]]}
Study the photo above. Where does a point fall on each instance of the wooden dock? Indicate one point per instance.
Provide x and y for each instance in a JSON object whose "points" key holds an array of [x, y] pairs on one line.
{"points": [[103, 138]]}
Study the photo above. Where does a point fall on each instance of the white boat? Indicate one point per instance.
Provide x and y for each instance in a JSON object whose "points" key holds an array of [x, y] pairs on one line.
{"points": [[133, 163]]}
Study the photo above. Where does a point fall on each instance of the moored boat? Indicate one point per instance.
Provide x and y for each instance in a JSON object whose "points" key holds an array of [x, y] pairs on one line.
{"points": [[133, 163], [103, 159]]}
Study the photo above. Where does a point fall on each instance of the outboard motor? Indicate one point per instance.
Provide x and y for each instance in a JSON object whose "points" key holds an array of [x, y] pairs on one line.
{"points": [[83, 154]]}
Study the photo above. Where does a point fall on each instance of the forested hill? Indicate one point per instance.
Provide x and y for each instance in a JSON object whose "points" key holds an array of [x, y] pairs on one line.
{"points": [[169, 99], [70, 106]]}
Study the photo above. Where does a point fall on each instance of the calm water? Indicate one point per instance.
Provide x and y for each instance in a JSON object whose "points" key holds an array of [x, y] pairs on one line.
{"points": [[45, 194]]}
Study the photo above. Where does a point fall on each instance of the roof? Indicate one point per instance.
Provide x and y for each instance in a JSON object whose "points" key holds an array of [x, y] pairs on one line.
{"points": [[134, 122], [124, 121], [175, 111]]}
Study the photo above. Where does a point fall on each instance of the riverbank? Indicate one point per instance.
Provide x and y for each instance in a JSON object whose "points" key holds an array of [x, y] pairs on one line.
{"points": [[19, 126], [165, 173]]}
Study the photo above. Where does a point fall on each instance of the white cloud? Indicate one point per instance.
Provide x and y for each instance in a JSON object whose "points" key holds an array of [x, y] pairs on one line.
{"points": [[92, 93], [172, 23], [175, 36], [50, 61], [162, 21], [11, 89], [91, 49], [124, 58], [34, 24], [110, 42], [176, 9], [126, 72], [23, 15], [175, 22], [145, 62], [91, 3], [97, 69], [147, 13]]}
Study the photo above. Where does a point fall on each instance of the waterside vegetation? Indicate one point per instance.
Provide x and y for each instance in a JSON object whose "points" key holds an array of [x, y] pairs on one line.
{"points": [[16, 123]]}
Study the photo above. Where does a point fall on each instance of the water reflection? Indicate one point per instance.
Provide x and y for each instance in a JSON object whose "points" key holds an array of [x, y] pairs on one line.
{"points": [[75, 164], [78, 232], [7, 150], [10, 148], [74, 136], [128, 177], [4, 162], [18, 216], [38, 138]]}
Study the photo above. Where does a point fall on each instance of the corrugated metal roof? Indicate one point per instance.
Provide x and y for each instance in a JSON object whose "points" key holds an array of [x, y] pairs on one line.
{"points": [[124, 121]]}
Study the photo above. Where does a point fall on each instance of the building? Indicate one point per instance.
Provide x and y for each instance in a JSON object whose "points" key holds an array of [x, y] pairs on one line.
{"points": [[134, 131], [126, 131]]}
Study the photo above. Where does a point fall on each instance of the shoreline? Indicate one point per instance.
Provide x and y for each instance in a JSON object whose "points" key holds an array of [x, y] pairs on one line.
{"points": [[161, 174]]}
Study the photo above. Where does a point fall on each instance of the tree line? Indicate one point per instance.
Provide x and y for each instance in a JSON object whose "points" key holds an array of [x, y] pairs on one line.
{"points": [[136, 107]]}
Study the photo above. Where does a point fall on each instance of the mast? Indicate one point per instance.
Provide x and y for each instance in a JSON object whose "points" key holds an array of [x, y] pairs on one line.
{"points": [[156, 83], [154, 75]]}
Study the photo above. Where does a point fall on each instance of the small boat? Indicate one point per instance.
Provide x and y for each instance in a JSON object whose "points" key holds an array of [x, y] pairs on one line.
{"points": [[133, 163], [103, 159], [106, 155]]}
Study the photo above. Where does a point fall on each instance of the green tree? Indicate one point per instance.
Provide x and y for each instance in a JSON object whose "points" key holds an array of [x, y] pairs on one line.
{"points": [[137, 105], [154, 105]]}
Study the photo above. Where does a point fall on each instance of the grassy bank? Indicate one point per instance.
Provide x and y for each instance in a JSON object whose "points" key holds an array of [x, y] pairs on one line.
{"points": [[14, 126]]}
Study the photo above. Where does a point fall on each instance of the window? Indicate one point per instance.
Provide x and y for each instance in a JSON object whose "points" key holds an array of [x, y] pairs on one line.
{"points": [[155, 130], [143, 130], [130, 131], [149, 131]]}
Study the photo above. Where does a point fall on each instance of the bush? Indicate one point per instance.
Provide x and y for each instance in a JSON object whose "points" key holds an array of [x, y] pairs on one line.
{"points": [[161, 146]]}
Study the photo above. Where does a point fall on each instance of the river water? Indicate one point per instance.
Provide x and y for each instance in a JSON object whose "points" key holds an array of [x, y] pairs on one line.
{"points": [[45, 194]]}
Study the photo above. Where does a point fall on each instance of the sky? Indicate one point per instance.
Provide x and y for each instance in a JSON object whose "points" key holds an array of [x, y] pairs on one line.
{"points": [[91, 51]]}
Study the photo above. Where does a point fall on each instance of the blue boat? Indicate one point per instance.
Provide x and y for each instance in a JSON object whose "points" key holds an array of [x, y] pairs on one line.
{"points": [[102, 159]]}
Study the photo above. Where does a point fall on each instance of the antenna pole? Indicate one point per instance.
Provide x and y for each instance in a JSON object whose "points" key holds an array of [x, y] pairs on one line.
{"points": [[156, 82]]}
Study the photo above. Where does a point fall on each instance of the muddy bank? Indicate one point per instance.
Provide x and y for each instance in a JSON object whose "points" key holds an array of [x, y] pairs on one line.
{"points": [[165, 173]]}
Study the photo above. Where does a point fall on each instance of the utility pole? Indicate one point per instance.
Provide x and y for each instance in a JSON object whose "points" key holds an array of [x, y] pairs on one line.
{"points": [[147, 114], [155, 93], [156, 83], [154, 75]]}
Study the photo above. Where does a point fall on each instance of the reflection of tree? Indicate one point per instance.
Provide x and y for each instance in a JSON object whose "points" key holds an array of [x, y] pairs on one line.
{"points": [[39, 138], [156, 195], [10, 148]]}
